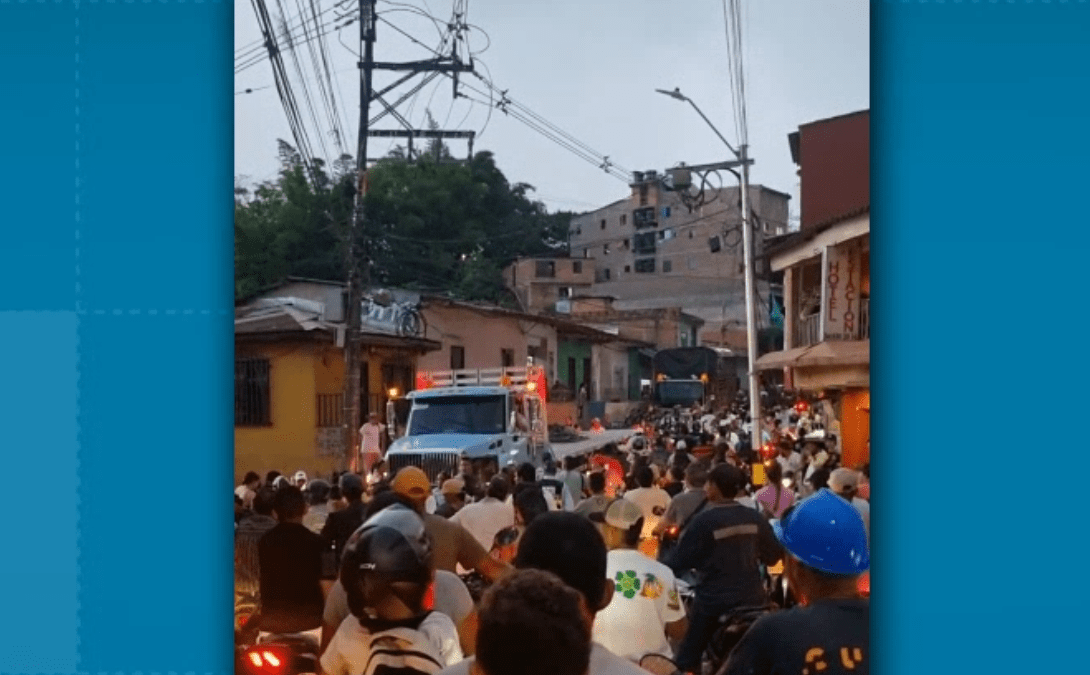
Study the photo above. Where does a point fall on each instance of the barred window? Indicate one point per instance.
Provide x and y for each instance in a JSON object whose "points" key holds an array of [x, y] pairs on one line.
{"points": [[252, 393]]}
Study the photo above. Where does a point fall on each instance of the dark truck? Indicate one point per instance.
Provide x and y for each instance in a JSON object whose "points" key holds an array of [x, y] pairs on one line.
{"points": [[688, 375]]}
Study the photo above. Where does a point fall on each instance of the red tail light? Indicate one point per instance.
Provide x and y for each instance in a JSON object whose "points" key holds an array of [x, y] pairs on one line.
{"points": [[266, 660]]}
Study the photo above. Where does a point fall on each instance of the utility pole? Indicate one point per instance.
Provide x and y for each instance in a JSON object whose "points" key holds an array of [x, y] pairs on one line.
{"points": [[751, 306], [359, 271], [359, 237], [747, 255]]}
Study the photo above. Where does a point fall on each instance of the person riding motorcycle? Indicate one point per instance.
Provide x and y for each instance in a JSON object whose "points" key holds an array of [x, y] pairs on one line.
{"points": [[829, 632], [387, 572]]}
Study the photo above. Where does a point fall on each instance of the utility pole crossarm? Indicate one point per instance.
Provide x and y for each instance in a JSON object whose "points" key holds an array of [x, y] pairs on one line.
{"points": [[440, 65]]}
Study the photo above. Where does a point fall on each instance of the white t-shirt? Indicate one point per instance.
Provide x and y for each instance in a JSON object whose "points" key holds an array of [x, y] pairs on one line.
{"points": [[645, 600], [484, 519], [791, 465], [602, 662], [653, 501], [350, 647], [370, 435]]}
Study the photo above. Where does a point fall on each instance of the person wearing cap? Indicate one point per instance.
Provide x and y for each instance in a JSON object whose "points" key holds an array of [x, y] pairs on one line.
{"points": [[725, 543], [452, 544], [829, 632], [845, 483], [454, 497], [645, 608], [372, 442]]}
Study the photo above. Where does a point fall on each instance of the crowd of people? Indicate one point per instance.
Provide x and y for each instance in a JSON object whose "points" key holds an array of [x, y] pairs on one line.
{"points": [[583, 565]]}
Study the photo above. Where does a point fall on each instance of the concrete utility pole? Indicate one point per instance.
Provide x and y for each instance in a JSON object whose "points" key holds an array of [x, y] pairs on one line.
{"points": [[359, 237], [747, 254], [359, 275]]}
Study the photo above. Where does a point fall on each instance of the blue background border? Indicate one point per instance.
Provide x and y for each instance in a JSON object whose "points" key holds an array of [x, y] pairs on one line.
{"points": [[116, 267]]}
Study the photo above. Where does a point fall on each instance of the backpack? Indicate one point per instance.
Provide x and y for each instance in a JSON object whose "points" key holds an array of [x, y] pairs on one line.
{"points": [[402, 651]]}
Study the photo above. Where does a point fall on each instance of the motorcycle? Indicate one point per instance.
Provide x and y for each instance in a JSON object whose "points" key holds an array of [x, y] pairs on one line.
{"points": [[283, 654], [731, 627]]}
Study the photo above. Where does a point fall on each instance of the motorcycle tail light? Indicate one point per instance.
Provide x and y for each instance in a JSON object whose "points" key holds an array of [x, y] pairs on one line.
{"points": [[265, 661]]}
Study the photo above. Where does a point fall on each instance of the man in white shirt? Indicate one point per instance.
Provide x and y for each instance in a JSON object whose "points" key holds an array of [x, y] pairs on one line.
{"points": [[645, 608], [372, 442], [653, 502], [485, 518]]}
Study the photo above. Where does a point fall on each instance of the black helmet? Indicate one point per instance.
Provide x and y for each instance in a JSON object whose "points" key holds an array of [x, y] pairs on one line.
{"points": [[392, 545], [317, 491]]}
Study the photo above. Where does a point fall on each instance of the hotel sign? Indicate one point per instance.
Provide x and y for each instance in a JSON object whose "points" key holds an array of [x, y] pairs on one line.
{"points": [[840, 287]]}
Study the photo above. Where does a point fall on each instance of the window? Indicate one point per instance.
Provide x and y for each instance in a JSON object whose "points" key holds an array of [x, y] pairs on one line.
{"points": [[624, 219], [603, 224], [690, 234], [252, 393], [545, 269], [577, 267], [645, 266], [586, 253], [605, 249], [605, 274], [627, 269], [643, 195], [625, 244], [330, 410], [666, 212], [457, 357], [644, 243], [667, 234], [563, 292], [667, 266], [507, 358]]}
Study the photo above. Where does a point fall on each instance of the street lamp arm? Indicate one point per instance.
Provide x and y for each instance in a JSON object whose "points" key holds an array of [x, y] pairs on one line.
{"points": [[676, 93], [701, 113]]}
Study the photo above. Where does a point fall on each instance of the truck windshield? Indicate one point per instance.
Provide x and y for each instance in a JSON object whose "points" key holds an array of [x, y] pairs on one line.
{"points": [[458, 415], [679, 392]]}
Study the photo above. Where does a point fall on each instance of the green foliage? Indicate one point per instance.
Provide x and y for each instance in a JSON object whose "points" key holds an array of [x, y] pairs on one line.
{"points": [[289, 227], [432, 223]]}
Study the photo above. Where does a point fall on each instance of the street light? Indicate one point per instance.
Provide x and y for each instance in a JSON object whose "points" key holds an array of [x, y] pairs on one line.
{"points": [[747, 254]]}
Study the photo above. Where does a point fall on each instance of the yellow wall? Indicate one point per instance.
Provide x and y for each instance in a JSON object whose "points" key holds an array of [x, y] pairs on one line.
{"points": [[297, 375]]}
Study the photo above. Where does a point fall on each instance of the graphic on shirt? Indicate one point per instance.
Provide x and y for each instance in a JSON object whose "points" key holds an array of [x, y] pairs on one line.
{"points": [[815, 659], [672, 600], [627, 584], [652, 587]]}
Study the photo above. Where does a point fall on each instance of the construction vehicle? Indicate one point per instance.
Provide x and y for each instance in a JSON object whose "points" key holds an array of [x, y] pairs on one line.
{"points": [[495, 414]]}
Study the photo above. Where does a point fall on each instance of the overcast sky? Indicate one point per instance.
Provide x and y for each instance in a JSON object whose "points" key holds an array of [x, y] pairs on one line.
{"points": [[591, 68]]}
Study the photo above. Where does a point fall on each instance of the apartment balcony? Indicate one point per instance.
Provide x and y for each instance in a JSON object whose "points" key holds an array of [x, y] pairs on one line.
{"points": [[808, 330]]}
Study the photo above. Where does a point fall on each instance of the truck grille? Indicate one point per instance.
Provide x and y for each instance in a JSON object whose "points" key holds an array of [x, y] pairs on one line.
{"points": [[432, 463]]}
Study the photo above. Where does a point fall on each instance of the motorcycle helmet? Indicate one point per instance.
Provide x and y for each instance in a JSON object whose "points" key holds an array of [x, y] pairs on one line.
{"points": [[391, 546], [317, 491], [826, 533]]}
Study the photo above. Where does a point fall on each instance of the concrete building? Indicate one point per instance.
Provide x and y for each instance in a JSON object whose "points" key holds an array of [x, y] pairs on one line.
{"points": [[548, 284], [652, 250], [826, 267]]}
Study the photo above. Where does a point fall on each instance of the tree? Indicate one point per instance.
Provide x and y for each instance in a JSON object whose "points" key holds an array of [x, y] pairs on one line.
{"points": [[432, 223], [289, 227]]}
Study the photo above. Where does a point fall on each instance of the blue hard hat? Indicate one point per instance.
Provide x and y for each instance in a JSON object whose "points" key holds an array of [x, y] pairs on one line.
{"points": [[825, 532]]}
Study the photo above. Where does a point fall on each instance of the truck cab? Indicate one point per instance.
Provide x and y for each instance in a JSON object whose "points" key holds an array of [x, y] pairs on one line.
{"points": [[496, 414]]}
